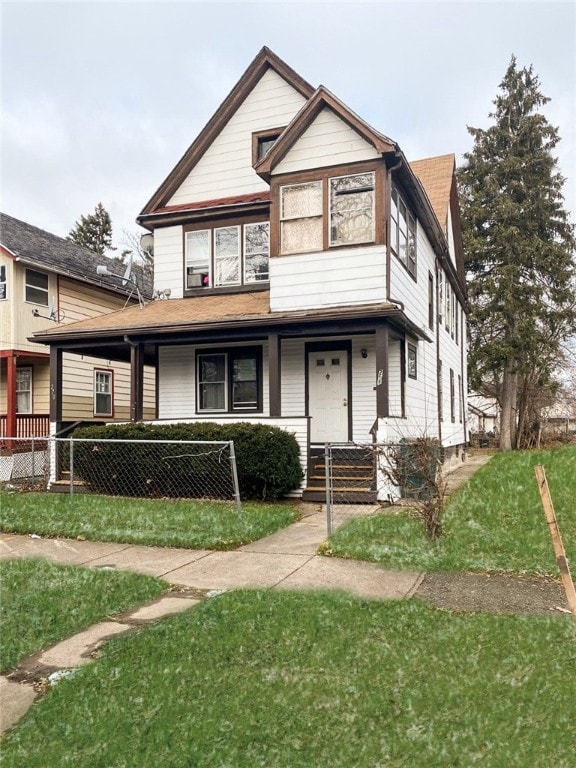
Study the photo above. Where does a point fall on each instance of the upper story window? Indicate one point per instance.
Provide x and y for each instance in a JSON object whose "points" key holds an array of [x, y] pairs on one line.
{"points": [[349, 201], [262, 141], [36, 287], [226, 256], [403, 232], [3, 285], [352, 209]]}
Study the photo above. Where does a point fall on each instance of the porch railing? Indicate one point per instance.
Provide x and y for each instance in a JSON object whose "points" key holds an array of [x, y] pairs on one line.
{"points": [[27, 425]]}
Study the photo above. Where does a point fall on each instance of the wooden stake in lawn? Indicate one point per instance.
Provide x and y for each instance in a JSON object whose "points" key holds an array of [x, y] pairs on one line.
{"points": [[559, 551]]}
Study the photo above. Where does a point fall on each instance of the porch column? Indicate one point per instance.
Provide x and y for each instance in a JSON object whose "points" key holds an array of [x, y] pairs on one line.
{"points": [[55, 384], [382, 398], [136, 382], [274, 375], [11, 425]]}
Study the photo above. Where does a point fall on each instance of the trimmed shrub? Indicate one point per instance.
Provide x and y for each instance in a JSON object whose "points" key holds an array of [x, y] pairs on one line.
{"points": [[267, 460]]}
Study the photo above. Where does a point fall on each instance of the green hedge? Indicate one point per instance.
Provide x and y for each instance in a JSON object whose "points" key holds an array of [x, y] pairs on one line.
{"points": [[267, 460]]}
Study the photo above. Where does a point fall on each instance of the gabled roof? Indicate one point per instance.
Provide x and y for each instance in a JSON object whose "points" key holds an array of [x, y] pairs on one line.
{"points": [[265, 60], [436, 175], [35, 247], [321, 99]]}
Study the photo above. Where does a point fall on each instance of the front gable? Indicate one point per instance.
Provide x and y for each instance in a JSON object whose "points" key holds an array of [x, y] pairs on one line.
{"points": [[226, 167], [268, 95]]}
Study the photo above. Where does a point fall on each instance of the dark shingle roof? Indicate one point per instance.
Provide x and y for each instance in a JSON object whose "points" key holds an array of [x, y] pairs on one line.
{"points": [[38, 248]]}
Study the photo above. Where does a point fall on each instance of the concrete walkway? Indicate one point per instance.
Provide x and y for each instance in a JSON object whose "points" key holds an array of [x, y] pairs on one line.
{"points": [[285, 560]]}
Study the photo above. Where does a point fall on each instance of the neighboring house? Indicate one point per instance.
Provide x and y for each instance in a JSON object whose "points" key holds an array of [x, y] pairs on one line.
{"points": [[48, 282], [315, 277], [483, 413]]}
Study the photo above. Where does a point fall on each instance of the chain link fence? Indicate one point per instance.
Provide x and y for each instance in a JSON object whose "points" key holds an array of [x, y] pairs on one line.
{"points": [[24, 462], [362, 478], [136, 468]]}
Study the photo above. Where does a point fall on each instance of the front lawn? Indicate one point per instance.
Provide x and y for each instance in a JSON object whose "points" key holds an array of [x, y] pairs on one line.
{"points": [[43, 603], [494, 523], [156, 522], [293, 680]]}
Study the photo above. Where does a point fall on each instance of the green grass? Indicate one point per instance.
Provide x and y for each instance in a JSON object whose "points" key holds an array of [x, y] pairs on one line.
{"points": [[494, 523], [293, 680], [156, 522], [43, 603]]}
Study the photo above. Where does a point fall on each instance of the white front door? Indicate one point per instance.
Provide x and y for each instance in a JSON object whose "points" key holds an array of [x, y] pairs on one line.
{"points": [[328, 396]]}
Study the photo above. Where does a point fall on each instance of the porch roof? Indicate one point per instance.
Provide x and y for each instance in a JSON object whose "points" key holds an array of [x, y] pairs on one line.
{"points": [[214, 312]]}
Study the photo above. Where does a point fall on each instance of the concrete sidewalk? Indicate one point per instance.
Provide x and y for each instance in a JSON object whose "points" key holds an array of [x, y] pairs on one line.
{"points": [[285, 560]]}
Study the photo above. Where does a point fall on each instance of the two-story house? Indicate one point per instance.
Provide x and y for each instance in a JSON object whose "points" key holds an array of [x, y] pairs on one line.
{"points": [[315, 277], [48, 282]]}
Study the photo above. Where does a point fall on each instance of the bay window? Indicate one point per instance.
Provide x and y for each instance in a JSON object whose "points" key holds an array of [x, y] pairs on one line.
{"points": [[227, 256], [328, 212], [229, 381]]}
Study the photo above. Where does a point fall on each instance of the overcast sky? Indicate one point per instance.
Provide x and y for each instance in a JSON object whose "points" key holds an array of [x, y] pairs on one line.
{"points": [[101, 99]]}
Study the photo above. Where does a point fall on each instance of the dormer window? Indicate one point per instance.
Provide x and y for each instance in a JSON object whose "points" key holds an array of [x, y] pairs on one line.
{"points": [[262, 141]]}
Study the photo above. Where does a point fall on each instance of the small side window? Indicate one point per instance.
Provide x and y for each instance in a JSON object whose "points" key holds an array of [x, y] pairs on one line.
{"points": [[103, 393], [3, 286]]}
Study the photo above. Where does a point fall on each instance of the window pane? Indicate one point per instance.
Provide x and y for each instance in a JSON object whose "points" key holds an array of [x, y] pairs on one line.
{"points": [[256, 251], [244, 383], [103, 393], [227, 255], [352, 209], [301, 235], [302, 200], [198, 258], [212, 382], [36, 290]]}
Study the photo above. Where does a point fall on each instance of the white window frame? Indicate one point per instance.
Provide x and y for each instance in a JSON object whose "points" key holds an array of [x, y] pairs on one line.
{"points": [[30, 286], [28, 390], [202, 272], [103, 377]]}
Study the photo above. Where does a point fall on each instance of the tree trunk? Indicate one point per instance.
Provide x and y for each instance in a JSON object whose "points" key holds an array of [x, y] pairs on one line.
{"points": [[514, 412], [507, 415]]}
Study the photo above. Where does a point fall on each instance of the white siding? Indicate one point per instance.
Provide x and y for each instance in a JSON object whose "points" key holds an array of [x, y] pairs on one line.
{"points": [[414, 293], [226, 167], [169, 260], [342, 277], [327, 141]]}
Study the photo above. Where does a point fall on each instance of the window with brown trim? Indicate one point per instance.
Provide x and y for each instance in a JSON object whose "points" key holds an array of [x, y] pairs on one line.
{"points": [[349, 202], [402, 232], [262, 141], [430, 300], [412, 362], [227, 255], [229, 380]]}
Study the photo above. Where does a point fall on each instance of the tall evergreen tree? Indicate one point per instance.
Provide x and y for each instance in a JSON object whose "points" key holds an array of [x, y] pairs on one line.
{"points": [[519, 247], [94, 231]]}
